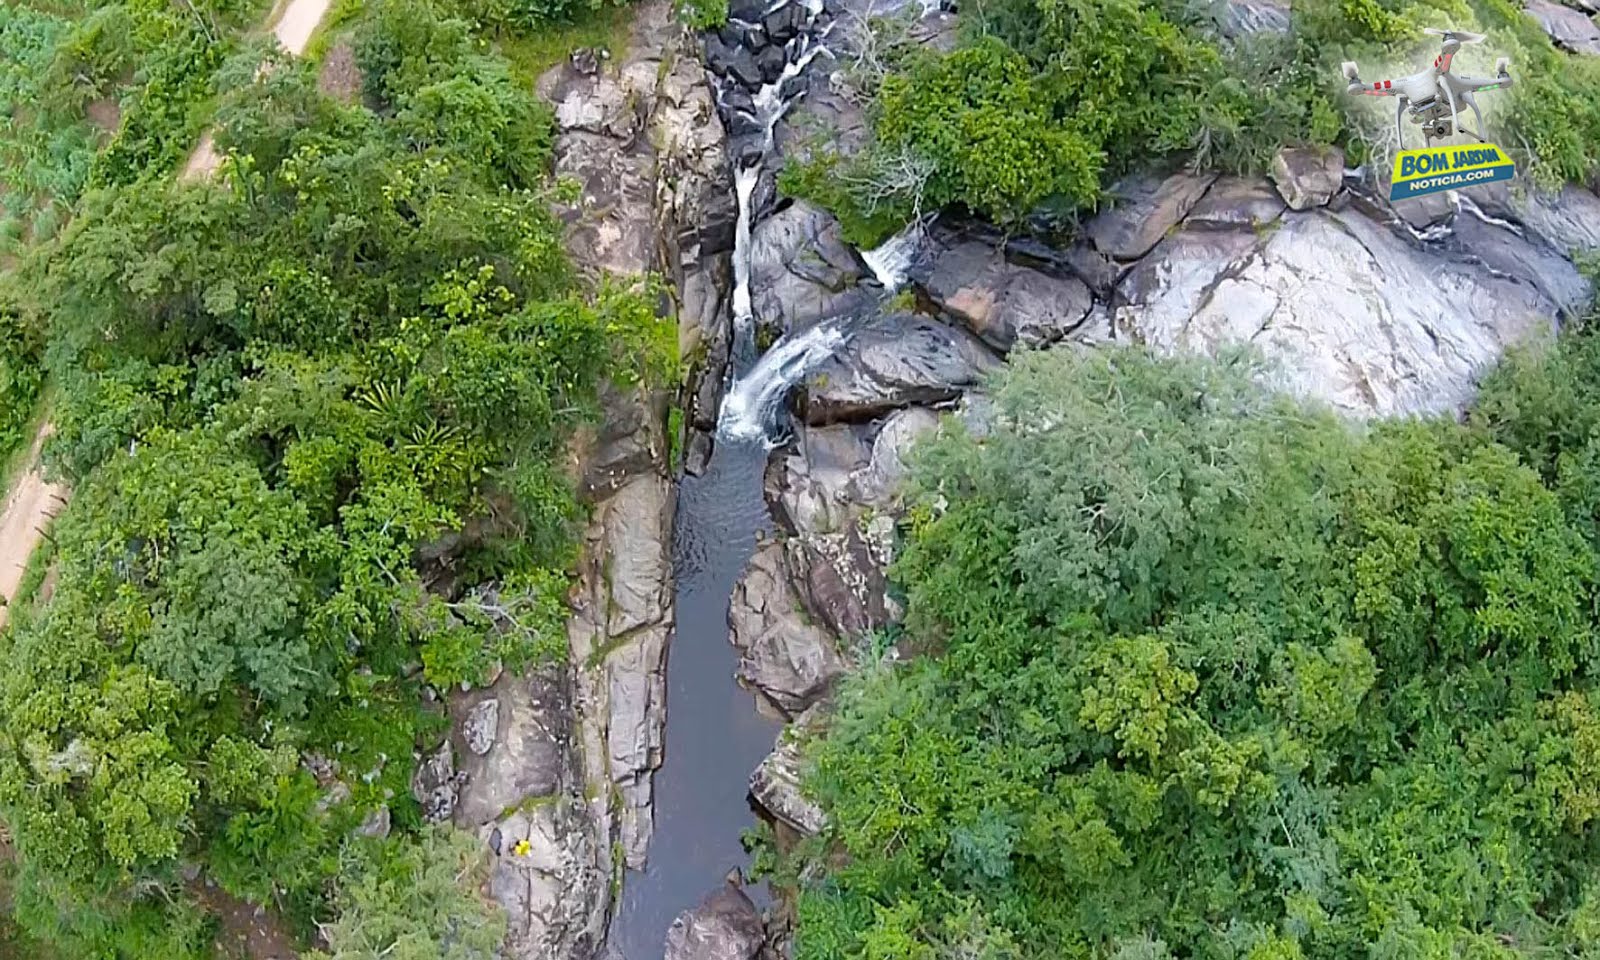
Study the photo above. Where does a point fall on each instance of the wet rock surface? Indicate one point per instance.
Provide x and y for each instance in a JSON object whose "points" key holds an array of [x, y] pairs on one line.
{"points": [[801, 270], [775, 784], [784, 653], [896, 360], [725, 926]]}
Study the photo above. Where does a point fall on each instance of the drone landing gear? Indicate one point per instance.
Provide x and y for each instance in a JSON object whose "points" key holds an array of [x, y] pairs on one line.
{"points": [[1477, 115], [1401, 103]]}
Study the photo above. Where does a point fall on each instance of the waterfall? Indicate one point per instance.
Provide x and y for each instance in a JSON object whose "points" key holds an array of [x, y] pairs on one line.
{"points": [[749, 411], [755, 394], [891, 260], [744, 186]]}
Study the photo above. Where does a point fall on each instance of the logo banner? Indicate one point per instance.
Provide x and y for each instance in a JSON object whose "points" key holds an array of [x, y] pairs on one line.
{"points": [[1418, 173]]}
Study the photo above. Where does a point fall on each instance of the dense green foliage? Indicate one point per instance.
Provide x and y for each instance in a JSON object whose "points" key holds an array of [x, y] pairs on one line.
{"points": [[415, 901], [275, 391], [1211, 674], [21, 378], [1043, 102], [153, 63]]}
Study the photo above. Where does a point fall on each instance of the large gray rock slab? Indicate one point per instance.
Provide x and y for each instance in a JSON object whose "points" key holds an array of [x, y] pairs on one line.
{"points": [[724, 926], [1568, 219], [800, 269], [896, 360], [512, 740], [1352, 313], [1570, 29], [1003, 303], [1144, 210], [1307, 177], [545, 871], [776, 783], [1511, 250], [784, 654]]}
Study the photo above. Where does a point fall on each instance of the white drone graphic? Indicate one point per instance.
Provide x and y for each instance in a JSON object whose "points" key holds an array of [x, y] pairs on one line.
{"points": [[1422, 91]]}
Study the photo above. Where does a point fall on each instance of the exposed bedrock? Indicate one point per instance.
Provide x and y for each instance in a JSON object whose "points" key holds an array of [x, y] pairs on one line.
{"points": [[553, 766]]}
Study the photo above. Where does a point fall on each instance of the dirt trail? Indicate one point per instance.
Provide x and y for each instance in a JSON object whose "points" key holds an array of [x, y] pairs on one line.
{"points": [[30, 506], [294, 29]]}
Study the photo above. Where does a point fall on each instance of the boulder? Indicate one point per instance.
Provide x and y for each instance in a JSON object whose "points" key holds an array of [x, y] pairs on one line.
{"points": [[434, 784], [800, 269], [1146, 207], [895, 360], [1003, 303], [775, 784], [1237, 202], [724, 926], [1308, 177], [785, 23], [482, 727], [793, 662], [1568, 28], [840, 580], [880, 481], [812, 486], [1255, 16], [1353, 314]]}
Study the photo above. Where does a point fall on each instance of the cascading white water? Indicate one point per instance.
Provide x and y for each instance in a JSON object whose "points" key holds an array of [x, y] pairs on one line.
{"points": [[751, 402], [891, 260], [744, 187], [749, 409]]}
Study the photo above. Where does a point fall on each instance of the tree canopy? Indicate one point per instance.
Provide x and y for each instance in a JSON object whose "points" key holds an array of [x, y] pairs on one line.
{"points": [[275, 391], [1207, 672]]}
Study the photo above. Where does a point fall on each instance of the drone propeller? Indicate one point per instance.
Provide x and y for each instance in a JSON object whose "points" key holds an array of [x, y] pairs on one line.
{"points": [[1460, 35], [1349, 70]]}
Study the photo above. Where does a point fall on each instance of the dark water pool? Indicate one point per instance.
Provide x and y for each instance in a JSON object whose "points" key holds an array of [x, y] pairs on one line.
{"points": [[714, 734]]}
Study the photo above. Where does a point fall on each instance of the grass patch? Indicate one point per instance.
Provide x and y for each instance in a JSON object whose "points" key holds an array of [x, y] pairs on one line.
{"points": [[530, 56], [22, 607], [14, 461], [340, 16]]}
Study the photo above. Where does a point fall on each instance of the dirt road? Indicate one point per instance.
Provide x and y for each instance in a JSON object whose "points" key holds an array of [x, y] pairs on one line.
{"points": [[29, 508]]}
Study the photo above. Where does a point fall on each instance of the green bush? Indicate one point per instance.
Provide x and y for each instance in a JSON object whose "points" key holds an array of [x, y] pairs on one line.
{"points": [[1045, 101], [21, 379], [416, 900]]}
